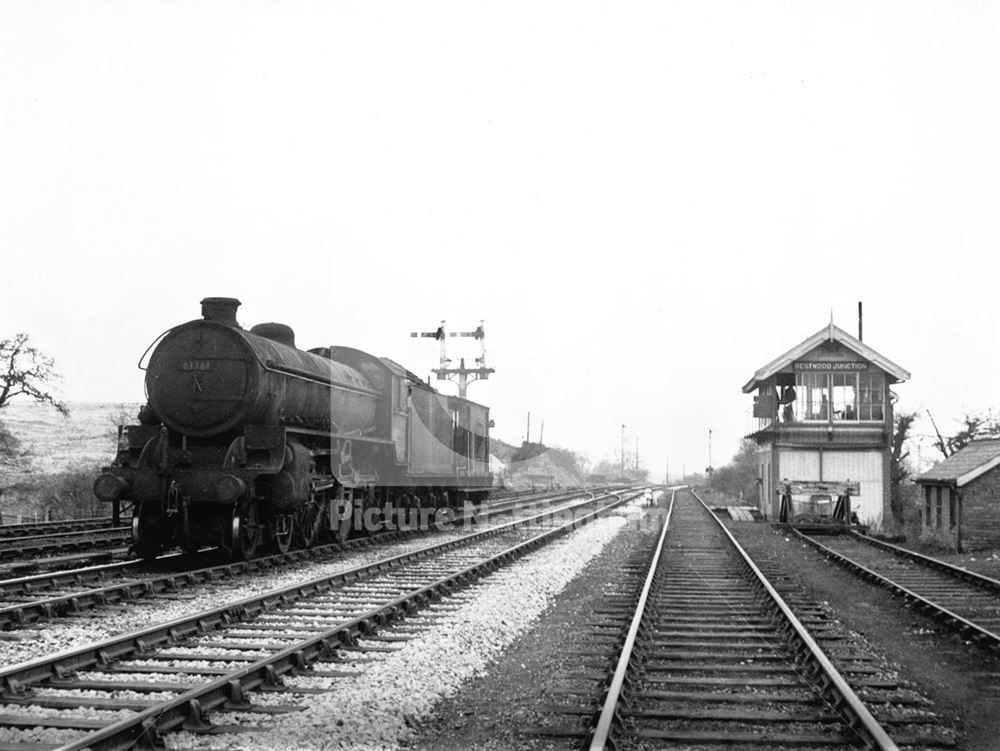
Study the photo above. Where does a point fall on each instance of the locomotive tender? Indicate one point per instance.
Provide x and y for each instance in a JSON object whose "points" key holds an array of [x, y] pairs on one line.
{"points": [[248, 443]]}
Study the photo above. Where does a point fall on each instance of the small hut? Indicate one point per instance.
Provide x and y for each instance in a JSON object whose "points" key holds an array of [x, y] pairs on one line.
{"points": [[960, 504]]}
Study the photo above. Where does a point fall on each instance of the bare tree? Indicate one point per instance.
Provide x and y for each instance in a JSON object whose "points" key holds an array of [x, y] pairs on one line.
{"points": [[70, 494], [26, 371], [118, 419], [899, 468], [11, 452], [739, 477], [974, 425]]}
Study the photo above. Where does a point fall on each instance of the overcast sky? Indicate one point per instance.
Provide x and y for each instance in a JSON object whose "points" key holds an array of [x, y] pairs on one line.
{"points": [[646, 202]]}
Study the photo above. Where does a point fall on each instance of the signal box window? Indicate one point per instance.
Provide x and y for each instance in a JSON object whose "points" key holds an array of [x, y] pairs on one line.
{"points": [[812, 400], [855, 396], [872, 388], [845, 396]]}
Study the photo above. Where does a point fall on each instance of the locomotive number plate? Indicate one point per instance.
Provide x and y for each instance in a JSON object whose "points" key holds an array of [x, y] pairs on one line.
{"points": [[196, 365]]}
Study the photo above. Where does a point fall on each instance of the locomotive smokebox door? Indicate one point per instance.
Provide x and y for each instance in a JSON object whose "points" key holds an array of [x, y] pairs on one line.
{"points": [[201, 377]]}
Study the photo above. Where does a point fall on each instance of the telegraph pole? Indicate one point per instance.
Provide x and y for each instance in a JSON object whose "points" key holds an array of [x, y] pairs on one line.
{"points": [[623, 450], [461, 374], [709, 458]]}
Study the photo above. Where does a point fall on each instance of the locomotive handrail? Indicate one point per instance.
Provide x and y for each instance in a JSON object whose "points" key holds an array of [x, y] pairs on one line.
{"points": [[274, 367], [151, 345]]}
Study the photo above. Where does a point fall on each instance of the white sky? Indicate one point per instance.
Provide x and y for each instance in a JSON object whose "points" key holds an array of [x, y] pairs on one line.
{"points": [[645, 201]]}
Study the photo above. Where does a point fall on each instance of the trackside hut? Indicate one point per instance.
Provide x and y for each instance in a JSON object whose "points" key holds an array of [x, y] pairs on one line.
{"points": [[823, 412], [960, 502]]}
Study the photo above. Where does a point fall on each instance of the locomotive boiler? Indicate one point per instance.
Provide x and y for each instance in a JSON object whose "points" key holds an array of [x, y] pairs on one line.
{"points": [[247, 442]]}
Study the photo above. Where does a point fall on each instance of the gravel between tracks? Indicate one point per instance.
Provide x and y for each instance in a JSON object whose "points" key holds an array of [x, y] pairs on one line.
{"points": [[521, 690], [381, 706], [65, 634]]}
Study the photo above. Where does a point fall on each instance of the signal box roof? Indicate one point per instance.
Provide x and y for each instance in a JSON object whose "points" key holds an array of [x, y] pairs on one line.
{"points": [[965, 465], [825, 334]]}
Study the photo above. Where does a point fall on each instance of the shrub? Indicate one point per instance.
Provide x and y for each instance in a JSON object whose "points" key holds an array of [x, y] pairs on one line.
{"points": [[69, 494]]}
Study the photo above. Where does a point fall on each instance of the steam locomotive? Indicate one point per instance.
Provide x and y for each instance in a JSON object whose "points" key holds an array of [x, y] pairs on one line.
{"points": [[252, 444]]}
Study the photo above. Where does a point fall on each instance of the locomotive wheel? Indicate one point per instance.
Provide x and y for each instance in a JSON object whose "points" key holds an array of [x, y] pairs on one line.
{"points": [[309, 525], [246, 531], [147, 537], [284, 531]]}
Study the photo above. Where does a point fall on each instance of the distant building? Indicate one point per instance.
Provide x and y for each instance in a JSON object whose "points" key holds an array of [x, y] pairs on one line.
{"points": [[823, 412], [541, 480], [960, 503]]}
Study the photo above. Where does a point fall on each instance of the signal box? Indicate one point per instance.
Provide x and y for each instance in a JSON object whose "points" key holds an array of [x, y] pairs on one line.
{"points": [[822, 413]]}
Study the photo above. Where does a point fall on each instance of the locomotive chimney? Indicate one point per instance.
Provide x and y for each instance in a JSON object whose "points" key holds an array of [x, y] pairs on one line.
{"points": [[220, 309]]}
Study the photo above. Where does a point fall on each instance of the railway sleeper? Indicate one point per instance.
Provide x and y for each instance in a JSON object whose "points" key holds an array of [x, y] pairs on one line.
{"points": [[750, 738], [79, 684], [50, 721], [90, 702], [735, 715]]}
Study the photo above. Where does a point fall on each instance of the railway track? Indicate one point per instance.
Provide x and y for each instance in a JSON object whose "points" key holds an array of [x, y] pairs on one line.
{"points": [[713, 656], [44, 551], [31, 599], [966, 602], [29, 529], [54, 543], [174, 673]]}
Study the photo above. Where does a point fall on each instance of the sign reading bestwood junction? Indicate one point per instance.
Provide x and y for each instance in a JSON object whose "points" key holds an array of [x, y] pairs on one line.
{"points": [[830, 365]]}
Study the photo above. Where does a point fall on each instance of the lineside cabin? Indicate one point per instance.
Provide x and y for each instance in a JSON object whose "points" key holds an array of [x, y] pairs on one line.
{"points": [[822, 421], [960, 498]]}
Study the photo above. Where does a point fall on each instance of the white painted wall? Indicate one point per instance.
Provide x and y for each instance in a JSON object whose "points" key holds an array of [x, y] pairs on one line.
{"points": [[864, 467], [799, 465]]}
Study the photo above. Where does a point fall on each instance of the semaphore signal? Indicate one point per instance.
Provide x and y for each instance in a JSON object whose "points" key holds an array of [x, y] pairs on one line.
{"points": [[461, 375]]}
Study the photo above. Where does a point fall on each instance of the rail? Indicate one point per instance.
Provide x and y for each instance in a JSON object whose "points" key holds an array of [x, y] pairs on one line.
{"points": [[973, 631], [840, 694], [148, 582], [191, 704], [609, 710], [962, 573]]}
